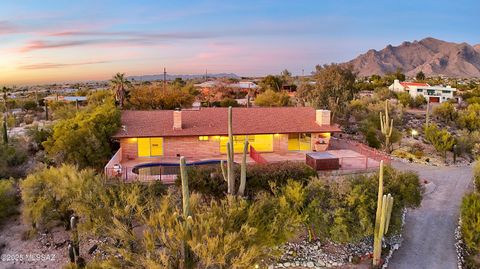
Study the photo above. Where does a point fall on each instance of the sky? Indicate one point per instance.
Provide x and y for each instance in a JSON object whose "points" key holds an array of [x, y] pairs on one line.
{"points": [[55, 41]]}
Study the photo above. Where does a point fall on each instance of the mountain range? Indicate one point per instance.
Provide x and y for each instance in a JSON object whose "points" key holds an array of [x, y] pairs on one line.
{"points": [[432, 56], [184, 77]]}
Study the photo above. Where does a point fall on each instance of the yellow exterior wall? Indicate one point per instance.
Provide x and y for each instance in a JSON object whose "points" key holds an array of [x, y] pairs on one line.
{"points": [[261, 143], [150, 146], [143, 147]]}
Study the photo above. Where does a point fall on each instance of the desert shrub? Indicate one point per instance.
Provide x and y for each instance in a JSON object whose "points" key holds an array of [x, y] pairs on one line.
{"points": [[37, 136], [470, 226], [441, 139], [345, 212], [8, 198], [208, 180], [30, 105], [476, 175], [405, 99], [371, 137], [470, 118], [49, 193], [418, 101], [445, 112], [229, 232], [12, 156], [229, 102]]}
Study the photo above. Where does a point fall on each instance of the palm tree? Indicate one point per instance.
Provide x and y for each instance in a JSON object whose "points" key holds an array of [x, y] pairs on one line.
{"points": [[118, 85]]}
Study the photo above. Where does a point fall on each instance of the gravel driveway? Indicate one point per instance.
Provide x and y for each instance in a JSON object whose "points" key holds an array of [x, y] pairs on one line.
{"points": [[429, 230]]}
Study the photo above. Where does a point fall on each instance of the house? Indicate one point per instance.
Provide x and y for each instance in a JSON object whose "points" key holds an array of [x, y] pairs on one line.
{"points": [[161, 136], [433, 94]]}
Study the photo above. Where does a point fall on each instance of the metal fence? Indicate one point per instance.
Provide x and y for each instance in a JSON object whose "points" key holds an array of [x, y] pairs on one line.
{"points": [[337, 143]]}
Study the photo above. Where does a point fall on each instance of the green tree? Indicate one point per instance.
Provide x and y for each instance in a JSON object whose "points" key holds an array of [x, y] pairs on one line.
{"points": [[441, 139], [420, 76], [405, 99], [155, 97], [271, 82], [119, 84], [333, 89], [271, 98], [84, 140]]}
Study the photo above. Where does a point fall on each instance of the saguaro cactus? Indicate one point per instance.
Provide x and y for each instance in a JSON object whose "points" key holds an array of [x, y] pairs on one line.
{"points": [[243, 169], [386, 126], [382, 219], [427, 116], [188, 255], [74, 247], [4, 130], [229, 174]]}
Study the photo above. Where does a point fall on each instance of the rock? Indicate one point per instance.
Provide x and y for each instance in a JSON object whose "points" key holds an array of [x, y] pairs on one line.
{"points": [[310, 264]]}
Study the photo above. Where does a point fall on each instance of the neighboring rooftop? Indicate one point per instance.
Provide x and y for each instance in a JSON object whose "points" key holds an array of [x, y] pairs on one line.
{"points": [[416, 84], [213, 121]]}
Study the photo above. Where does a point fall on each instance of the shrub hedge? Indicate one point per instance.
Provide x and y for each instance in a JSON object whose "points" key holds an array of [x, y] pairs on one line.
{"points": [[208, 180]]}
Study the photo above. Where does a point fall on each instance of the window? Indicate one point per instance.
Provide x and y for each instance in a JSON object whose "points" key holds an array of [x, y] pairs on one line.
{"points": [[431, 92], [301, 141], [419, 90], [445, 91], [203, 138]]}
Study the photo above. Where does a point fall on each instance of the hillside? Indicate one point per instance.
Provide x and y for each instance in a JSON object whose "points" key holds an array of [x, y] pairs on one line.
{"points": [[432, 56]]}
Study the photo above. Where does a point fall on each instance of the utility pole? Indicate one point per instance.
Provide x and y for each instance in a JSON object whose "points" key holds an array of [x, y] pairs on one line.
{"points": [[206, 77], [164, 78]]}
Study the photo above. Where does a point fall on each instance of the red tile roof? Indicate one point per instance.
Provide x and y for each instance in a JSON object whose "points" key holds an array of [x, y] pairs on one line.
{"points": [[213, 121], [418, 84]]}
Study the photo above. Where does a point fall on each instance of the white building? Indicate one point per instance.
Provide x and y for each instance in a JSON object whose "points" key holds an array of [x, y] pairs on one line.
{"points": [[434, 94]]}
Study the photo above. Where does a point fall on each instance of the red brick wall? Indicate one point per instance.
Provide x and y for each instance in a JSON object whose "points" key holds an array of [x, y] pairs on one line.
{"points": [[129, 147], [190, 146]]}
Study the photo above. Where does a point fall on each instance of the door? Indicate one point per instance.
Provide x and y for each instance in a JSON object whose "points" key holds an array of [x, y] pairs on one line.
{"points": [[156, 146], [434, 99], [143, 147], [262, 143], [150, 146]]}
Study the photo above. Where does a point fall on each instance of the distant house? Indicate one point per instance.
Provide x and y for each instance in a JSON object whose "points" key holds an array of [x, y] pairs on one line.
{"points": [[434, 94], [161, 136]]}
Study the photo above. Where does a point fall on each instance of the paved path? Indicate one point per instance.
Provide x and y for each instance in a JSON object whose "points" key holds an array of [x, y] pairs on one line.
{"points": [[429, 230]]}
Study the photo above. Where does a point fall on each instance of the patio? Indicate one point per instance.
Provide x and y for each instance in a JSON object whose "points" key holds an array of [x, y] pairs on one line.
{"points": [[349, 161]]}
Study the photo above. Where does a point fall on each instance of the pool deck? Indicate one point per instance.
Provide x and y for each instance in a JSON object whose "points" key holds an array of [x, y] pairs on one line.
{"points": [[349, 160]]}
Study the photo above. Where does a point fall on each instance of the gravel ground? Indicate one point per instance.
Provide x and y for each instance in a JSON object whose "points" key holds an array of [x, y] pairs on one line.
{"points": [[429, 230]]}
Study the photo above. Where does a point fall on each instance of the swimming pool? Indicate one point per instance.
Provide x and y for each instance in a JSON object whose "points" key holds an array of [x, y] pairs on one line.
{"points": [[164, 168]]}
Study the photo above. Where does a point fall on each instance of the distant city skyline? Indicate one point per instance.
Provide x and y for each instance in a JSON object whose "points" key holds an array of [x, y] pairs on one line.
{"points": [[56, 41]]}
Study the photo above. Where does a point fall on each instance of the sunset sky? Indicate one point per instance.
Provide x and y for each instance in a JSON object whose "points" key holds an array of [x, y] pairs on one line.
{"points": [[55, 41]]}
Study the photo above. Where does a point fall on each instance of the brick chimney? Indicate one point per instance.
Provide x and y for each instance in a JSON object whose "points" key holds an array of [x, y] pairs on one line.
{"points": [[322, 117], [177, 119]]}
